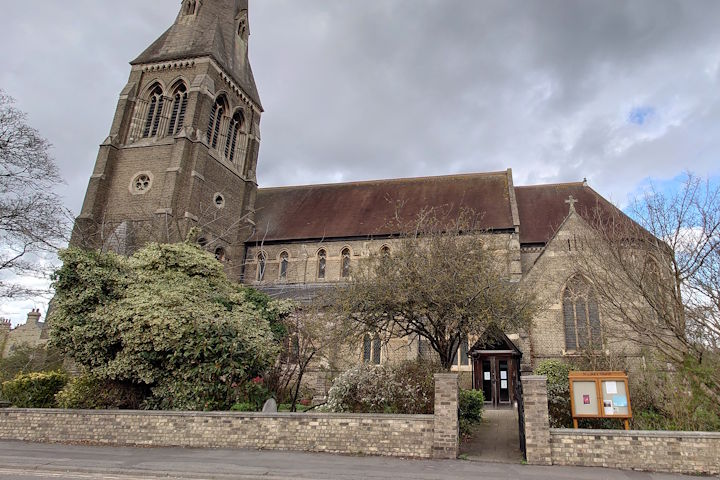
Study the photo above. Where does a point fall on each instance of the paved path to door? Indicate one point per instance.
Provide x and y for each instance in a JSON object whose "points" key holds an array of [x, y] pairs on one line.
{"points": [[26, 461], [497, 439]]}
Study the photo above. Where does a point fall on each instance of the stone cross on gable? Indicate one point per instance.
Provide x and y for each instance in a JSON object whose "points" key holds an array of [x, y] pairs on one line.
{"points": [[572, 201]]}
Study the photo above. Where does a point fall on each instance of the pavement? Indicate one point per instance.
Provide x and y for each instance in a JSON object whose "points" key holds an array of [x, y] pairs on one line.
{"points": [[496, 439], [25, 461]]}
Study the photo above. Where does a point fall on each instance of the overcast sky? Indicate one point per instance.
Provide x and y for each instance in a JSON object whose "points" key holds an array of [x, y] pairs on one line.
{"points": [[620, 92]]}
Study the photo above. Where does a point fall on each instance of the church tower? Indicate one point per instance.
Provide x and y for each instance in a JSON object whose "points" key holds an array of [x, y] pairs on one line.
{"points": [[183, 147]]}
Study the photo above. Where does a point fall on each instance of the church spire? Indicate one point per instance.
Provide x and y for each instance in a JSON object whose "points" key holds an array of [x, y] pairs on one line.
{"points": [[209, 28]]}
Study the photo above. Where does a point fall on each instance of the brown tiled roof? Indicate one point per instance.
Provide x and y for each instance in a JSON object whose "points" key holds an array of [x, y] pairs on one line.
{"points": [[543, 208], [362, 209]]}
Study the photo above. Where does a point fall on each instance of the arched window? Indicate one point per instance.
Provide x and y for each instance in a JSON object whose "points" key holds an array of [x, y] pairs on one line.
{"points": [[284, 260], [581, 316], [261, 267], [220, 254], [216, 117], [233, 136], [371, 349], [345, 270], [367, 348], [376, 350], [177, 116], [190, 7], [322, 264], [154, 112], [385, 251]]}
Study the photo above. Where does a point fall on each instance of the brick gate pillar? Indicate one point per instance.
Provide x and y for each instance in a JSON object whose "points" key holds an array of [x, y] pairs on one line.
{"points": [[446, 436], [537, 420]]}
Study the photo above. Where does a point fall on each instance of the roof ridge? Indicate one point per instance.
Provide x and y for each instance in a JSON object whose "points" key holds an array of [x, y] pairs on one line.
{"points": [[557, 184], [388, 180]]}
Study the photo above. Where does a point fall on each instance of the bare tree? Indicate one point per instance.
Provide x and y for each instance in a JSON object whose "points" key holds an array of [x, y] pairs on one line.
{"points": [[659, 275], [33, 221], [442, 282]]}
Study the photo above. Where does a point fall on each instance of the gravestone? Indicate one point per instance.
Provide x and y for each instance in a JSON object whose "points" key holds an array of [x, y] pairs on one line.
{"points": [[270, 406]]}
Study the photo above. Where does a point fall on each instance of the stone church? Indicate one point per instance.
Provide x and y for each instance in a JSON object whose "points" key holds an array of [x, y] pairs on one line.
{"points": [[182, 153]]}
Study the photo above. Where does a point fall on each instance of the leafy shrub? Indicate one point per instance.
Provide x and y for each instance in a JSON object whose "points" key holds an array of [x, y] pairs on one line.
{"points": [[471, 409], [668, 400], [91, 393], [407, 388], [558, 386], [166, 319], [255, 393], [244, 407], [34, 390]]}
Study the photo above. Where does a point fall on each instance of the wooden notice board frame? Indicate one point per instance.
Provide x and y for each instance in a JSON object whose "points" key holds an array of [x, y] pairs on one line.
{"points": [[596, 398]]}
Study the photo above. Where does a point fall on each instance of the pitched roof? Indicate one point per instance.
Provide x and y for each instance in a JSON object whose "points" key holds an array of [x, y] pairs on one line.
{"points": [[212, 33], [362, 209], [543, 208]]}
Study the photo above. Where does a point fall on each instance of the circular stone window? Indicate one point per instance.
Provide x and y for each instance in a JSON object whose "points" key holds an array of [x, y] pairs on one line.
{"points": [[219, 200], [141, 183]]}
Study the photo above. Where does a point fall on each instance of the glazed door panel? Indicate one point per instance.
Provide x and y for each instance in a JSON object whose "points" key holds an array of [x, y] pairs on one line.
{"points": [[494, 375]]}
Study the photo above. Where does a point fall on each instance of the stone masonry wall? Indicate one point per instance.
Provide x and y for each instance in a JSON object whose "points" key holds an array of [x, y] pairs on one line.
{"points": [[537, 420], [446, 431], [419, 436], [390, 435], [677, 452]]}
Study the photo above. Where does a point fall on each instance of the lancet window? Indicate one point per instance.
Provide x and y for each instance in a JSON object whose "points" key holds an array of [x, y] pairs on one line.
{"points": [[154, 112], [581, 316], [177, 116]]}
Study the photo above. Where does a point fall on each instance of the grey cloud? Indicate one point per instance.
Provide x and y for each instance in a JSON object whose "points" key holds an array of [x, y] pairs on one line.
{"points": [[388, 88]]}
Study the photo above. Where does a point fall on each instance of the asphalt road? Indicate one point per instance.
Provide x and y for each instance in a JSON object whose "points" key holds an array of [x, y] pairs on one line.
{"points": [[25, 461]]}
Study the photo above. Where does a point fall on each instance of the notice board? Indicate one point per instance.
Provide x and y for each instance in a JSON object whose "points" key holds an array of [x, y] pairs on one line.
{"points": [[600, 395]]}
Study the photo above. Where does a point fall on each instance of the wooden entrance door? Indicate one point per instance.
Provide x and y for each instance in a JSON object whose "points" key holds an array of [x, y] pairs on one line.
{"points": [[495, 376]]}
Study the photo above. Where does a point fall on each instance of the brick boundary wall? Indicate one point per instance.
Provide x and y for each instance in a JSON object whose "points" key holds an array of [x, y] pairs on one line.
{"points": [[446, 432], [418, 436], [537, 420], [364, 434], [675, 452]]}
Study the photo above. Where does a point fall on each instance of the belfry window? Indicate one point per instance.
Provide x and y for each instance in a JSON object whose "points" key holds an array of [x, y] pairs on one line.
{"points": [[233, 136], [154, 112], [190, 7], [581, 316], [284, 260], [345, 270], [322, 263], [216, 117], [177, 116]]}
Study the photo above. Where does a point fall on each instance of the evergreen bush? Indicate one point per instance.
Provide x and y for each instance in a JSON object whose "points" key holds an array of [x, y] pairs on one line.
{"points": [[471, 403], [34, 390], [558, 388]]}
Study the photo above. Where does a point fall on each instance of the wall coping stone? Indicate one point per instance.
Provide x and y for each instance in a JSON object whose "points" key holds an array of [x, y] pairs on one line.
{"points": [[165, 413], [534, 377], [586, 432]]}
